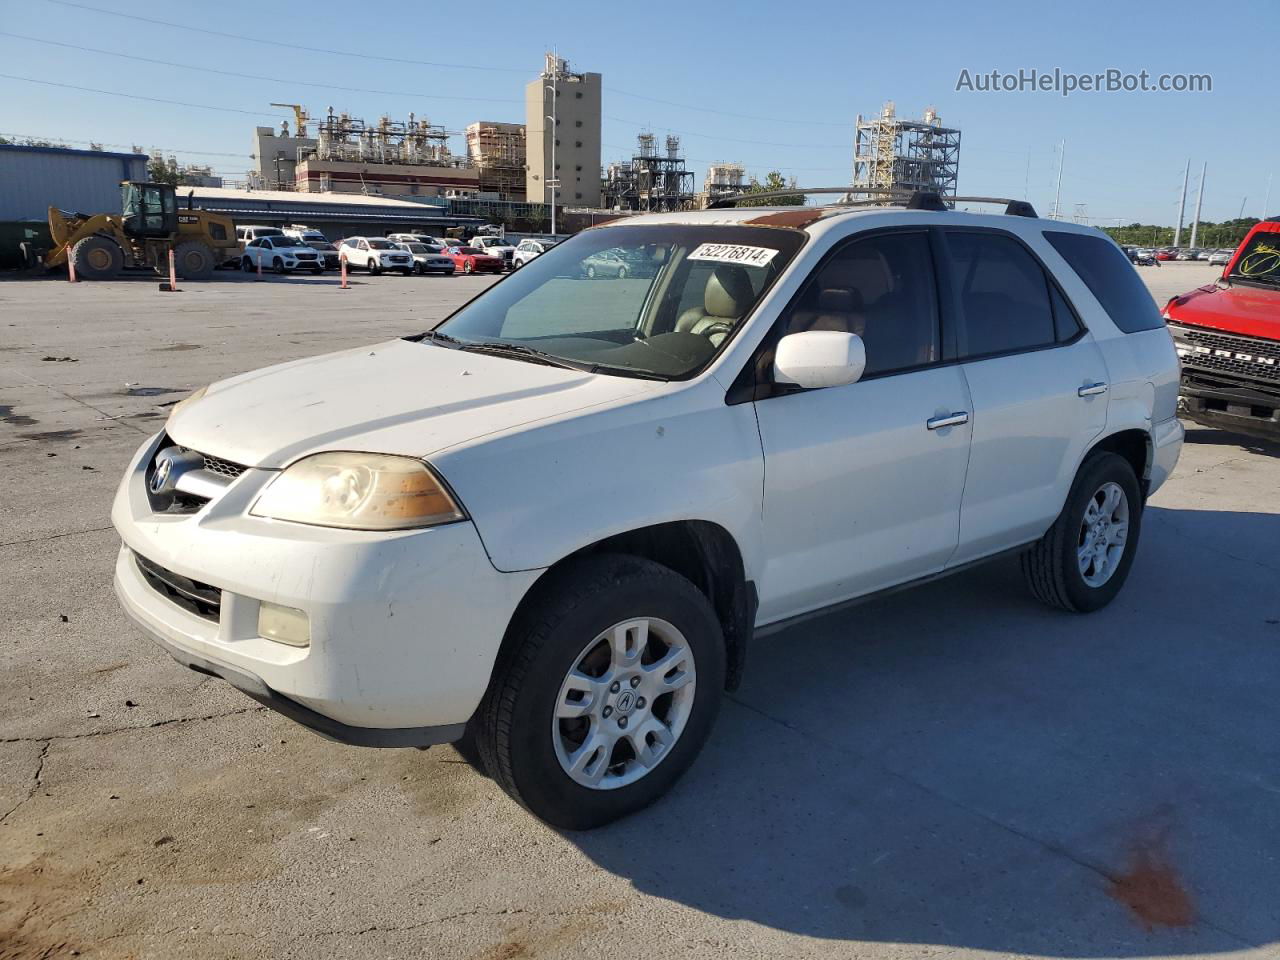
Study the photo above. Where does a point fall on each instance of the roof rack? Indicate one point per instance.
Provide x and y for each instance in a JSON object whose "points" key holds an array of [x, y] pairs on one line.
{"points": [[911, 199]]}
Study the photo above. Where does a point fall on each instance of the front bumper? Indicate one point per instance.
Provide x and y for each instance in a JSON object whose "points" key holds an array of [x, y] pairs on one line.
{"points": [[405, 627], [1225, 403]]}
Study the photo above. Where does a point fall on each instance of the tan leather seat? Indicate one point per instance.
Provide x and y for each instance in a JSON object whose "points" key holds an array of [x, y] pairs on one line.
{"points": [[725, 301]]}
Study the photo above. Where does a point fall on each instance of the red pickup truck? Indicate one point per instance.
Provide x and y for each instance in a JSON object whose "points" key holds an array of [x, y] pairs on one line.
{"points": [[1228, 336]]}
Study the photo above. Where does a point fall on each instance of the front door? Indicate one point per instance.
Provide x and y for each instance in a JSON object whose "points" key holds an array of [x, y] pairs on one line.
{"points": [[863, 482]]}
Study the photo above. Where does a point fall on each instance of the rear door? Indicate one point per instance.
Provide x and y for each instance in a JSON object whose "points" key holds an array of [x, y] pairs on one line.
{"points": [[1039, 387], [863, 482]]}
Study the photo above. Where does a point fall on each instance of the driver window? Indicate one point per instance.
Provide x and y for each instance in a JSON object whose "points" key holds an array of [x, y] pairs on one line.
{"points": [[881, 288]]}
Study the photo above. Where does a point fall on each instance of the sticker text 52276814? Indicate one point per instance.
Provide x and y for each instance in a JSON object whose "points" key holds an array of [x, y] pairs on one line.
{"points": [[734, 253]]}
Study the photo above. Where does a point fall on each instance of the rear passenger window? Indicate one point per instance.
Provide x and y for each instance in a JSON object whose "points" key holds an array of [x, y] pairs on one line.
{"points": [[881, 288], [1111, 278], [1004, 295]]}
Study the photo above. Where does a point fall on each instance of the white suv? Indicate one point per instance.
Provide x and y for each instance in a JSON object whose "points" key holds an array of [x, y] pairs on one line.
{"points": [[283, 254], [376, 254], [527, 250], [554, 524]]}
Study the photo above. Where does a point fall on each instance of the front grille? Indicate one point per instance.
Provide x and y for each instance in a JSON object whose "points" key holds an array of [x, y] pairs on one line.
{"points": [[306, 256], [191, 595], [1250, 357], [222, 467]]}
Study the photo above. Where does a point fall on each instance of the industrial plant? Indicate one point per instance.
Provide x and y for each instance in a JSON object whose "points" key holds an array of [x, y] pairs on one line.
{"points": [[894, 154]]}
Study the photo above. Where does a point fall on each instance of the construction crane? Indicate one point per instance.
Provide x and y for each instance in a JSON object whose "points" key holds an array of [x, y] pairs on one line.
{"points": [[300, 117]]}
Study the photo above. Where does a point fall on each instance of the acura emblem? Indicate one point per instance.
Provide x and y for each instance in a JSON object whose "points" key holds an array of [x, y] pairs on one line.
{"points": [[160, 476]]}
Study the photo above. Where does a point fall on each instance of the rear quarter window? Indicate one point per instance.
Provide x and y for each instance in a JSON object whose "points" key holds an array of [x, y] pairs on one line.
{"points": [[1111, 278]]}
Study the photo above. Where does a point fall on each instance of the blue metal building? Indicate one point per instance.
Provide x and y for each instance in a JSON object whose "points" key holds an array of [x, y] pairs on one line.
{"points": [[32, 179]]}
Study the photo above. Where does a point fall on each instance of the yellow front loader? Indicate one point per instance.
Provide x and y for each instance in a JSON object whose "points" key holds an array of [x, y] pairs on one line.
{"points": [[102, 245]]}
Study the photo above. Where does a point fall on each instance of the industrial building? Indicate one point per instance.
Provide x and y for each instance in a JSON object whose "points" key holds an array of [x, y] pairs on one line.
{"points": [[333, 214], [33, 179], [649, 180], [574, 141], [890, 153], [721, 180], [497, 151], [276, 154]]}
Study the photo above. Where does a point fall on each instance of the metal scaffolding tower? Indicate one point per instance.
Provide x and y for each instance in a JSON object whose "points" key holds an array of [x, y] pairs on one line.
{"points": [[890, 153], [649, 180]]}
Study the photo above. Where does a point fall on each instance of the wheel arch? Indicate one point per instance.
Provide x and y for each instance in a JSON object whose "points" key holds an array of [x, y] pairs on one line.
{"points": [[1135, 446], [704, 553]]}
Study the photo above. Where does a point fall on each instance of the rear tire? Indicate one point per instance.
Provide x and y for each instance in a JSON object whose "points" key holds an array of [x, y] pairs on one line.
{"points": [[467, 267], [193, 260], [521, 730], [97, 258], [1075, 565]]}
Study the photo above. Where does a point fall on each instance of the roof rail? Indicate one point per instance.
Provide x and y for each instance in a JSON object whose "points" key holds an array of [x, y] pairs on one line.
{"points": [[911, 199]]}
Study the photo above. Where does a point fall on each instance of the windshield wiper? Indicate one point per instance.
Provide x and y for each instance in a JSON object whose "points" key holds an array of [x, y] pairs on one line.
{"points": [[519, 351], [437, 337]]}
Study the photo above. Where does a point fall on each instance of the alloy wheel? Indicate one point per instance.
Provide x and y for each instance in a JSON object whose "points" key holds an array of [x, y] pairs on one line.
{"points": [[1104, 534], [624, 703]]}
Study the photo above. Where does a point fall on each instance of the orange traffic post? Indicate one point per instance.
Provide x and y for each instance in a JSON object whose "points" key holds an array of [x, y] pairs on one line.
{"points": [[71, 266], [259, 265], [173, 275], [342, 261]]}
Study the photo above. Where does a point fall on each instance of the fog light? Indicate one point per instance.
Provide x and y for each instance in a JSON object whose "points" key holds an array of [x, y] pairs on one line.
{"points": [[283, 624]]}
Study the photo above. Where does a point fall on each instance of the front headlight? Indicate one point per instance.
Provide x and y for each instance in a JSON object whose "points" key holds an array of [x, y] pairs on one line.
{"points": [[358, 491], [196, 395]]}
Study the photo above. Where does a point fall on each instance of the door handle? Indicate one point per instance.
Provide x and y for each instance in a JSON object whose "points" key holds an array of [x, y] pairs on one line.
{"points": [[948, 420], [1092, 390]]}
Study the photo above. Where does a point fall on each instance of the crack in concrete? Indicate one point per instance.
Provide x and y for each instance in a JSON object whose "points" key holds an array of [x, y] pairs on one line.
{"points": [[1186, 535], [55, 536], [145, 726], [112, 421], [35, 784], [355, 932]]}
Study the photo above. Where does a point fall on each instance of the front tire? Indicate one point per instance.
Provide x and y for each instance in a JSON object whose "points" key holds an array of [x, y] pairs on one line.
{"points": [[607, 688], [375, 268], [279, 266], [1083, 560], [193, 261], [467, 267], [97, 258]]}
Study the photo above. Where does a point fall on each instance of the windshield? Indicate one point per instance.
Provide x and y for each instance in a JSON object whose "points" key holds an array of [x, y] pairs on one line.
{"points": [[381, 245], [417, 247], [657, 300], [469, 250], [1260, 259]]}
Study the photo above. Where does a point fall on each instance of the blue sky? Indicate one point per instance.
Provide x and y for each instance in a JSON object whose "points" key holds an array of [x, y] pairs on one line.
{"points": [[805, 70]]}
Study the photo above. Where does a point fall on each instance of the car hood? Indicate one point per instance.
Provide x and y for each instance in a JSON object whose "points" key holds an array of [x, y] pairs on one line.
{"points": [[1248, 310], [399, 397]]}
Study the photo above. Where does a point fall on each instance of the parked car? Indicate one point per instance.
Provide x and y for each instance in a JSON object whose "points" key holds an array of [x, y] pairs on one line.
{"points": [[1228, 337], [328, 253], [1219, 258], [253, 231], [414, 238], [376, 254], [527, 250], [495, 247], [281, 254], [1140, 258], [606, 263], [1189, 254], [1166, 255], [556, 522], [473, 260], [306, 234], [428, 260]]}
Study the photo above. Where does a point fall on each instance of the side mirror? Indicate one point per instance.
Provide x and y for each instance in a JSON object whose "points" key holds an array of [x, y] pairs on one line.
{"points": [[819, 358]]}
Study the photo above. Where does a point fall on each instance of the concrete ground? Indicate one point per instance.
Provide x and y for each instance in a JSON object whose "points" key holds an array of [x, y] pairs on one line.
{"points": [[953, 771]]}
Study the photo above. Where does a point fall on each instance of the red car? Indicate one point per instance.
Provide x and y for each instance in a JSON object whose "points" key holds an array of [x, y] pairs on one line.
{"points": [[1166, 254], [471, 260], [1228, 337]]}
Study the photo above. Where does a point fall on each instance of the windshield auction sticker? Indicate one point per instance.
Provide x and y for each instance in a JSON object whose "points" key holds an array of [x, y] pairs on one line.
{"points": [[734, 253]]}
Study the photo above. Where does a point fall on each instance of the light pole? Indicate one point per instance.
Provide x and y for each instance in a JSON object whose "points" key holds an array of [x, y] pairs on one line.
{"points": [[553, 181]]}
